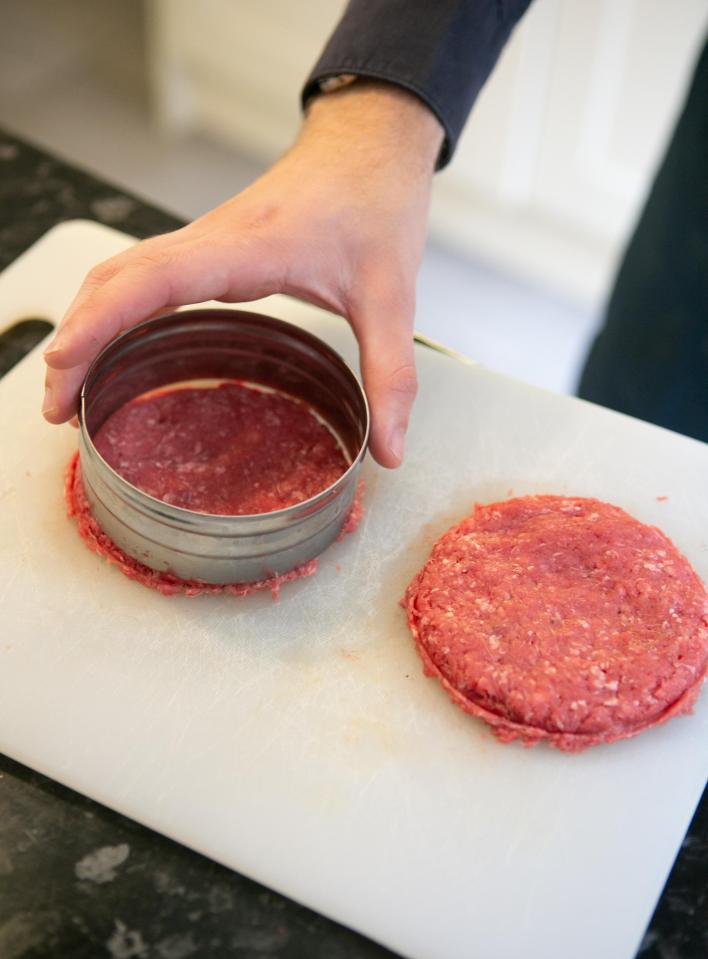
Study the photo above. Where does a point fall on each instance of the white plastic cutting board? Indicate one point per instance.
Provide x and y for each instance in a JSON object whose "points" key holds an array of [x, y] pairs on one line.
{"points": [[298, 741]]}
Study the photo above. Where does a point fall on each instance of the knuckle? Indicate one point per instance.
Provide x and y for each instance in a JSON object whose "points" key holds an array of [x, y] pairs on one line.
{"points": [[150, 261], [404, 380], [101, 273], [262, 217]]}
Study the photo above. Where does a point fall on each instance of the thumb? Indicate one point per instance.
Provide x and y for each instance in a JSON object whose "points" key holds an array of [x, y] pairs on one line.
{"points": [[384, 328]]}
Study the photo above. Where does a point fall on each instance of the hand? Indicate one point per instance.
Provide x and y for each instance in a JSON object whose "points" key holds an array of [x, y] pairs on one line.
{"points": [[339, 221]]}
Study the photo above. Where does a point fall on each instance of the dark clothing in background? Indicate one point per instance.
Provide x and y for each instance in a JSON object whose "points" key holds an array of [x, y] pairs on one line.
{"points": [[651, 357]]}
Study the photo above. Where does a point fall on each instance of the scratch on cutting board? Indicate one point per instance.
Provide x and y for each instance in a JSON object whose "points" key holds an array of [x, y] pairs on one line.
{"points": [[349, 654], [371, 736], [8, 584]]}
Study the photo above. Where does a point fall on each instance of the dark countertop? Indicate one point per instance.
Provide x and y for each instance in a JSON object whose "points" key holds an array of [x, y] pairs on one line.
{"points": [[81, 881]]}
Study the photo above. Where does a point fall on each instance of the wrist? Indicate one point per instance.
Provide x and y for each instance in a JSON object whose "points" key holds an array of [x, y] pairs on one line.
{"points": [[375, 117]]}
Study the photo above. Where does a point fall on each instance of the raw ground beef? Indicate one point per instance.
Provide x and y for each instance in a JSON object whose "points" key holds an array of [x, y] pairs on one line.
{"points": [[561, 619], [166, 583], [231, 449]]}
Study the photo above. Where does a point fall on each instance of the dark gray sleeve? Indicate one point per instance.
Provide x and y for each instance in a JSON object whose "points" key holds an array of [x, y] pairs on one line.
{"points": [[441, 50]]}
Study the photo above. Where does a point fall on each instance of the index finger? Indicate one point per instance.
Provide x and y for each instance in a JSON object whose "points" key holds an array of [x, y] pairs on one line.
{"points": [[145, 285]]}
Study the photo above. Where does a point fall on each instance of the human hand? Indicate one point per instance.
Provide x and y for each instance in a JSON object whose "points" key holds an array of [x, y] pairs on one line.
{"points": [[339, 221]]}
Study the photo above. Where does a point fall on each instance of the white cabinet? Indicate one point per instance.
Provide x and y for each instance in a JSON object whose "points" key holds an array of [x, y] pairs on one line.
{"points": [[559, 151], [235, 68]]}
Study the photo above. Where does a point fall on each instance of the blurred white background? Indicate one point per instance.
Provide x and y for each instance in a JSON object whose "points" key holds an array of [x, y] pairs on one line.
{"points": [[186, 102]]}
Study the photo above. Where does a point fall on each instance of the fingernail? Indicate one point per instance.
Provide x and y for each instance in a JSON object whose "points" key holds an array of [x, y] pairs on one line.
{"points": [[48, 404], [54, 346], [397, 442]]}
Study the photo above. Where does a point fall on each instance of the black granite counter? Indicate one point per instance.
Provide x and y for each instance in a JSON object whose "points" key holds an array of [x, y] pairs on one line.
{"points": [[80, 881]]}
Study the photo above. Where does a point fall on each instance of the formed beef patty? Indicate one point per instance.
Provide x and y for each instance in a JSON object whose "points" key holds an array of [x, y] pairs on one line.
{"points": [[561, 619]]}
